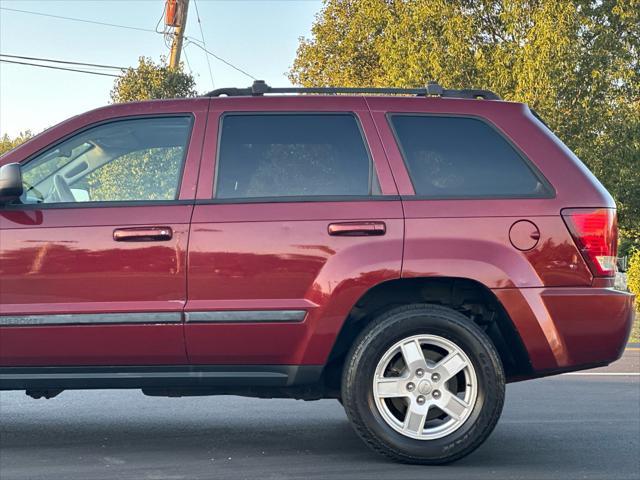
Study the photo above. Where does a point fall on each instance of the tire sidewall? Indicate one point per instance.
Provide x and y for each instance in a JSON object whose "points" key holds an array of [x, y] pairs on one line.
{"points": [[456, 328]]}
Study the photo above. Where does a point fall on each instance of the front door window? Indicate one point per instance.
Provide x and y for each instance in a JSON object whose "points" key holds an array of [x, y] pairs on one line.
{"points": [[125, 160]]}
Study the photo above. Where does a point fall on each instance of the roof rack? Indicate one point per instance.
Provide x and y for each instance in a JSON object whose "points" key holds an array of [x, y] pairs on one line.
{"points": [[260, 88]]}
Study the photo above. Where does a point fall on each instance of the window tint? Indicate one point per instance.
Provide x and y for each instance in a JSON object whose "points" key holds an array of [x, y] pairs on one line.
{"points": [[127, 160], [292, 155], [462, 157]]}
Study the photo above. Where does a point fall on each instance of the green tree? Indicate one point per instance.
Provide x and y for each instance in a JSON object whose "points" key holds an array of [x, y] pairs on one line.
{"points": [[575, 62], [150, 81], [7, 143]]}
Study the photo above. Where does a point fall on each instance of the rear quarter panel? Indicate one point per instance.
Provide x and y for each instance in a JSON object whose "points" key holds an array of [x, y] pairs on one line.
{"points": [[469, 238]]}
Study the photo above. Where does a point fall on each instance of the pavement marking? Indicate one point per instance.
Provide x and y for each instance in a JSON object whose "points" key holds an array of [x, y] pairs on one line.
{"points": [[615, 374], [632, 349]]}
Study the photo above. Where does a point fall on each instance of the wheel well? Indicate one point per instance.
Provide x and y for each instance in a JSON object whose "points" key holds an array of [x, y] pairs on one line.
{"points": [[468, 297]]}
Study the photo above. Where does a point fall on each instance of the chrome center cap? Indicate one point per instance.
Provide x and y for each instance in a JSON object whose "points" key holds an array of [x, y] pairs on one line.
{"points": [[425, 387]]}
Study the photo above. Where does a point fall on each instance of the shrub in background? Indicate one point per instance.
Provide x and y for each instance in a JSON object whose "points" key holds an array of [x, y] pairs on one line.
{"points": [[633, 274]]}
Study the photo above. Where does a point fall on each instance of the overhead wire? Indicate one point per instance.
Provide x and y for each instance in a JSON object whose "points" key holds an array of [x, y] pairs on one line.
{"points": [[197, 44], [60, 68], [68, 62], [164, 9], [166, 33], [186, 59], [75, 19], [213, 84]]}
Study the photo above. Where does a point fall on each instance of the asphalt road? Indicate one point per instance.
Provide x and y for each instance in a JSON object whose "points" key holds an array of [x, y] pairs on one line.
{"points": [[566, 427]]}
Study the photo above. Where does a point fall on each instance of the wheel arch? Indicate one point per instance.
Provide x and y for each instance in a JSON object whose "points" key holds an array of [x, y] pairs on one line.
{"points": [[469, 297]]}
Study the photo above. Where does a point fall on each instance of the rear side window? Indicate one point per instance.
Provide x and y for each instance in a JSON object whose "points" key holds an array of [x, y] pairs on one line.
{"points": [[462, 157], [293, 155]]}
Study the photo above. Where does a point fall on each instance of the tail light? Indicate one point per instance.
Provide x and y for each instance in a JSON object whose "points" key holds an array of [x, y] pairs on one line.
{"points": [[595, 231]]}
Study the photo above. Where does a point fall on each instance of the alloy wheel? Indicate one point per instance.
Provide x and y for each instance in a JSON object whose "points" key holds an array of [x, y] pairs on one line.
{"points": [[425, 387]]}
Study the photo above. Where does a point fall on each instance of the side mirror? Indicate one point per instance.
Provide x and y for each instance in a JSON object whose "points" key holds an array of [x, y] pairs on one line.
{"points": [[10, 182]]}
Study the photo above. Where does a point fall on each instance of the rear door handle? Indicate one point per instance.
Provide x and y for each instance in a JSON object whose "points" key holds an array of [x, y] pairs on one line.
{"points": [[143, 234], [357, 229]]}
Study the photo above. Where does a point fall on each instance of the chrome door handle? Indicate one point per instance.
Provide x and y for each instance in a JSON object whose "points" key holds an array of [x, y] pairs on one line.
{"points": [[143, 234], [357, 229]]}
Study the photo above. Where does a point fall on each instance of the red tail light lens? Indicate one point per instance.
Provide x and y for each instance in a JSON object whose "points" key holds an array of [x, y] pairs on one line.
{"points": [[595, 231]]}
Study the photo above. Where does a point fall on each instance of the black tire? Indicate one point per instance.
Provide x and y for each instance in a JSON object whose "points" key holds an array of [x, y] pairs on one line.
{"points": [[382, 334]]}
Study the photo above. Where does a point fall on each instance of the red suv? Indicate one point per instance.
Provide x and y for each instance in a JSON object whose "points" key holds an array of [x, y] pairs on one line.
{"points": [[405, 254]]}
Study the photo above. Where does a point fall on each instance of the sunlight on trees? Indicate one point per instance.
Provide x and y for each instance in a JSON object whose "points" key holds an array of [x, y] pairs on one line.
{"points": [[576, 63]]}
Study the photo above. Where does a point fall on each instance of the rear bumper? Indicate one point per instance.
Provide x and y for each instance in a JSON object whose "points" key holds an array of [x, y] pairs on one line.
{"points": [[566, 329]]}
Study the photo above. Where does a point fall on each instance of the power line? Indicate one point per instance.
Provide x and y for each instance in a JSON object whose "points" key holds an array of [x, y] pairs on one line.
{"points": [[204, 43], [164, 10], [197, 44], [186, 58], [59, 68], [78, 19], [51, 60], [192, 40]]}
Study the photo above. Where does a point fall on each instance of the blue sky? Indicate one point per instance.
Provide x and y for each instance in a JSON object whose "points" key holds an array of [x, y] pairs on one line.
{"points": [[260, 36]]}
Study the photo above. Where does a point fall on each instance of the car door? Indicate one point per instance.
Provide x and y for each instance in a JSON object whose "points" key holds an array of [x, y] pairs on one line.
{"points": [[93, 261], [302, 218]]}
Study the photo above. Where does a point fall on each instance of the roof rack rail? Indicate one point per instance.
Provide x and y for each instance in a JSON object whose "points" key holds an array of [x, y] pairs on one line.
{"points": [[260, 88]]}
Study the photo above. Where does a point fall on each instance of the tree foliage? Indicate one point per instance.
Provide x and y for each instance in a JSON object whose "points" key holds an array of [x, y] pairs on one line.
{"points": [[575, 62], [7, 143], [150, 81], [128, 177], [124, 178]]}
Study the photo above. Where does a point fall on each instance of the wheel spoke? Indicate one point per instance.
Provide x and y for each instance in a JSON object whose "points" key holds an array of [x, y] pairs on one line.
{"points": [[415, 418], [452, 405], [413, 356], [390, 387], [406, 384], [450, 366]]}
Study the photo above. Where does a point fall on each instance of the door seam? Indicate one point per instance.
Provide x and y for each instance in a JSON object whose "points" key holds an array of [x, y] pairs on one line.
{"points": [[187, 249], [386, 157]]}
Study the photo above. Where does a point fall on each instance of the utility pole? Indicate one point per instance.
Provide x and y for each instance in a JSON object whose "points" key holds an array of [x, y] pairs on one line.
{"points": [[178, 36]]}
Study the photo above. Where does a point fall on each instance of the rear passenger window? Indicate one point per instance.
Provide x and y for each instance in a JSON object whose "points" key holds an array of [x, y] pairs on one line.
{"points": [[462, 157], [293, 155]]}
